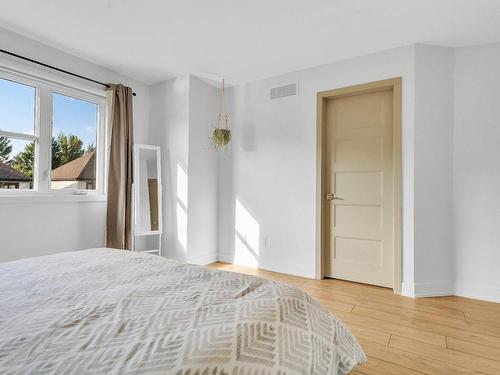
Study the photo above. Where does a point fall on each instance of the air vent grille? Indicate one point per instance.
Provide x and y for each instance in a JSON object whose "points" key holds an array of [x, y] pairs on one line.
{"points": [[284, 91]]}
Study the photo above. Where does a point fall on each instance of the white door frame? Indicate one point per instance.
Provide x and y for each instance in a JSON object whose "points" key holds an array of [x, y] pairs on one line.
{"points": [[393, 84]]}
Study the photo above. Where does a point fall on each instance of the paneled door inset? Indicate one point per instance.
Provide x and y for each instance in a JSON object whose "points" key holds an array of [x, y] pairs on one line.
{"points": [[359, 210]]}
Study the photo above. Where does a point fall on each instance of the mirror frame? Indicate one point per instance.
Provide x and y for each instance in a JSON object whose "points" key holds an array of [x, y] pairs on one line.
{"points": [[137, 189]]}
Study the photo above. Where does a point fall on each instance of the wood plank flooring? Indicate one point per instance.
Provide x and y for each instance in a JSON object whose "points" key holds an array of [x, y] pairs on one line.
{"points": [[433, 336]]}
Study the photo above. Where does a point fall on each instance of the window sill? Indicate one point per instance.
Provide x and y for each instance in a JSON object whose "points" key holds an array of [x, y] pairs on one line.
{"points": [[50, 198]]}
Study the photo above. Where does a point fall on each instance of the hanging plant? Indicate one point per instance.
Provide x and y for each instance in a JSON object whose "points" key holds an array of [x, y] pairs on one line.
{"points": [[221, 135]]}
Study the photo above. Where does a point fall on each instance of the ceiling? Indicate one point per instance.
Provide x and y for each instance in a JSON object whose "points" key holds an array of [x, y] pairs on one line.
{"points": [[243, 40]]}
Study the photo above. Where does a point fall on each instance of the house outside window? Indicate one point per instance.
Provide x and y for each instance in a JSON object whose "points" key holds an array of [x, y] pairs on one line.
{"points": [[13, 179], [77, 174]]}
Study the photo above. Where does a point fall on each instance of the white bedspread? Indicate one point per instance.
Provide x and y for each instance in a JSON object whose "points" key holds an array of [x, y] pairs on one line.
{"points": [[104, 311]]}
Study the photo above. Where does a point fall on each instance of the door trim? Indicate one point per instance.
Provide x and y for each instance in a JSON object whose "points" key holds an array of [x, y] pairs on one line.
{"points": [[393, 84]]}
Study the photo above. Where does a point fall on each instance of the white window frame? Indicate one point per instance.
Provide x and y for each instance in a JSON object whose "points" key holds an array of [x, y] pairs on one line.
{"points": [[46, 85]]}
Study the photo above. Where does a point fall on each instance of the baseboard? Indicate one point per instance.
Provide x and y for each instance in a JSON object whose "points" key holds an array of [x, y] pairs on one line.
{"points": [[203, 259], [290, 269], [408, 289], [414, 290], [438, 289], [435, 289], [225, 257], [477, 291]]}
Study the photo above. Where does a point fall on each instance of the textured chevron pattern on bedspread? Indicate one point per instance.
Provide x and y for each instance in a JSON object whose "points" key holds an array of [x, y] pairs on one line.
{"points": [[103, 311]]}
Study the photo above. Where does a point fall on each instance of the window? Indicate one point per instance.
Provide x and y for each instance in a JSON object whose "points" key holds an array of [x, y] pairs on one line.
{"points": [[17, 135], [51, 137], [74, 139]]}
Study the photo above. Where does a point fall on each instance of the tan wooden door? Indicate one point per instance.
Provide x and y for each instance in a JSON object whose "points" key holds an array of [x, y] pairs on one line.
{"points": [[359, 178]]}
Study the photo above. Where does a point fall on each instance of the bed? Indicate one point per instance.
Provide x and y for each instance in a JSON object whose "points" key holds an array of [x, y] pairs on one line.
{"points": [[103, 311]]}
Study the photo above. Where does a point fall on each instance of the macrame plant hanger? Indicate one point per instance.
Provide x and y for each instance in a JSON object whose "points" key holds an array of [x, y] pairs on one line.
{"points": [[221, 136]]}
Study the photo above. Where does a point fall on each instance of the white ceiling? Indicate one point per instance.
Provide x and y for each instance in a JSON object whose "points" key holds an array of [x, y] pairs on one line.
{"points": [[243, 40]]}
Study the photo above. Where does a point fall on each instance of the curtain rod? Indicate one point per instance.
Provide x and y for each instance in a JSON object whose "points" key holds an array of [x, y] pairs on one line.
{"points": [[58, 69]]}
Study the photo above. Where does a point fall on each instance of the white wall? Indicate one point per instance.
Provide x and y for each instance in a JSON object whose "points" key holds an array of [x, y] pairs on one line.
{"points": [[32, 227], [271, 167], [203, 173], [29, 228], [183, 111], [433, 170], [476, 172], [451, 174], [170, 130]]}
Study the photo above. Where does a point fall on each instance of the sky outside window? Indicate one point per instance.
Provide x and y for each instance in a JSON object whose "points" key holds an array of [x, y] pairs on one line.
{"points": [[70, 115], [76, 117], [17, 111]]}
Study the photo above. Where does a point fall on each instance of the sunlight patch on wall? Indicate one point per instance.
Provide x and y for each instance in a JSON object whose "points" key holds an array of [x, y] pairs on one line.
{"points": [[182, 201], [246, 241], [182, 186]]}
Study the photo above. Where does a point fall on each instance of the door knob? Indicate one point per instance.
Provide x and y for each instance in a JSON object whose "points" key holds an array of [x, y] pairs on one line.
{"points": [[331, 197]]}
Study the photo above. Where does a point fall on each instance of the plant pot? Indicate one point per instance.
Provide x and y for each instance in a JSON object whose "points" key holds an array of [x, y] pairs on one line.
{"points": [[221, 137]]}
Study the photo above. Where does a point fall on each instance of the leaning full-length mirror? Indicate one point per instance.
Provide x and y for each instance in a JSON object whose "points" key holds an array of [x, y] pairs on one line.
{"points": [[147, 183]]}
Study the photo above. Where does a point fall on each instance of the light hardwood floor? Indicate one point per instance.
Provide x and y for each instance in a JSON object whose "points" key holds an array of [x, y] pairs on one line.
{"points": [[442, 335]]}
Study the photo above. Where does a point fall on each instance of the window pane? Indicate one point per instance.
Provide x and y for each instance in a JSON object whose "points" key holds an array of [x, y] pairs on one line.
{"points": [[17, 107], [74, 139], [17, 159]]}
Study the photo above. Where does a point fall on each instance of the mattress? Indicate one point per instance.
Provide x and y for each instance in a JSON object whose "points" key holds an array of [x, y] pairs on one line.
{"points": [[103, 311]]}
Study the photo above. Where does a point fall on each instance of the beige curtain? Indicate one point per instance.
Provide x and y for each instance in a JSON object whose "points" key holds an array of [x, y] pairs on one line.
{"points": [[120, 138]]}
